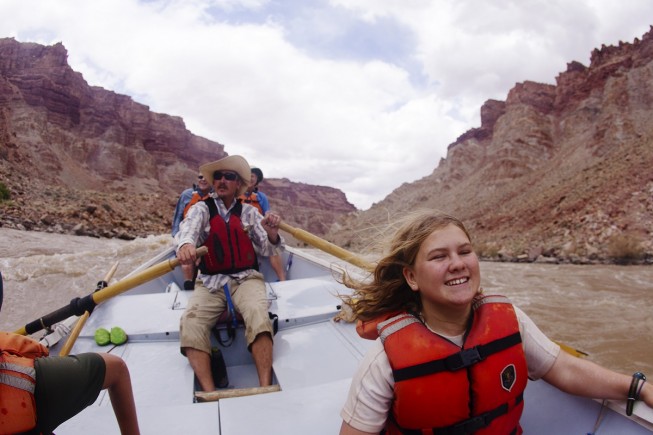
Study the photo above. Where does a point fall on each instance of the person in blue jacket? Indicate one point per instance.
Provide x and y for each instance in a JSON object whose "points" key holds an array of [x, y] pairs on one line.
{"points": [[253, 196]]}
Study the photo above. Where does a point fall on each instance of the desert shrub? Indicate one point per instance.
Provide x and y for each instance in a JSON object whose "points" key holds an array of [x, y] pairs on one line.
{"points": [[486, 250], [4, 192], [624, 248]]}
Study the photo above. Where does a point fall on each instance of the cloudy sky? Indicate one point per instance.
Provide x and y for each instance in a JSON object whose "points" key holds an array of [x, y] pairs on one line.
{"points": [[362, 95]]}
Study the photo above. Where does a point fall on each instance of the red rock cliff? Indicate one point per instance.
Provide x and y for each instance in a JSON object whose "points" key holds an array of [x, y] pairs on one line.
{"points": [[83, 159], [560, 171]]}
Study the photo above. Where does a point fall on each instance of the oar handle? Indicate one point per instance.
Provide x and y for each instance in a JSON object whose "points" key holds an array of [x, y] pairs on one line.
{"points": [[68, 345], [326, 246]]}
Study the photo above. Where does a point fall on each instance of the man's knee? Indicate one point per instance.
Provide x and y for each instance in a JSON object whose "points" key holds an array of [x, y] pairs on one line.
{"points": [[265, 335], [261, 339], [185, 350]]}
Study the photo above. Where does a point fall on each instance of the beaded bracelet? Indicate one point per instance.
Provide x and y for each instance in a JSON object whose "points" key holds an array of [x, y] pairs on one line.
{"points": [[636, 386]]}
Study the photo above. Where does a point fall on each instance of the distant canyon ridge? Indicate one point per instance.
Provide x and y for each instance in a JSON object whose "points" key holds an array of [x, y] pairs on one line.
{"points": [[556, 173]]}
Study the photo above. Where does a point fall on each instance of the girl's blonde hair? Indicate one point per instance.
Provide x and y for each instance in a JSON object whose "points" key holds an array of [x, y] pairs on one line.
{"points": [[388, 290]]}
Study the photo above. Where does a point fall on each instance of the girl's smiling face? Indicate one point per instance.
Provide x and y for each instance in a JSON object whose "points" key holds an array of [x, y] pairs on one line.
{"points": [[446, 271]]}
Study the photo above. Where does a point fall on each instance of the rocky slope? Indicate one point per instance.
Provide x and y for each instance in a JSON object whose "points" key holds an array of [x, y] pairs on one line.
{"points": [[554, 173], [80, 159]]}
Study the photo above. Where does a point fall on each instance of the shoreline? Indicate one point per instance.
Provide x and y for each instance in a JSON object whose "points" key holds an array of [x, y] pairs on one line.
{"points": [[647, 260]]}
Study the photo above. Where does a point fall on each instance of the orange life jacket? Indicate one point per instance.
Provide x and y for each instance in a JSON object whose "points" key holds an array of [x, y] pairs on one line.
{"points": [[18, 381], [230, 248], [443, 388], [252, 199], [196, 197]]}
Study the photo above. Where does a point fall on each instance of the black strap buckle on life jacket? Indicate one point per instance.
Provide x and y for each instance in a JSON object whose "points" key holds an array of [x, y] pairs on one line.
{"points": [[473, 424], [478, 422], [470, 425], [458, 360]]}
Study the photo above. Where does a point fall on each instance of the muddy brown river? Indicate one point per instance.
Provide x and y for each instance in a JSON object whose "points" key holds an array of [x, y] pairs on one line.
{"points": [[604, 311]]}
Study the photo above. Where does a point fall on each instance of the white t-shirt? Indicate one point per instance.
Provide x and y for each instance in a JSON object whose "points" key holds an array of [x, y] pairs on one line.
{"points": [[371, 390]]}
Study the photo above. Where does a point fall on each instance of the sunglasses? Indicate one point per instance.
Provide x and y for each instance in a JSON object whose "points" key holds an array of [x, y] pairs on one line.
{"points": [[229, 176]]}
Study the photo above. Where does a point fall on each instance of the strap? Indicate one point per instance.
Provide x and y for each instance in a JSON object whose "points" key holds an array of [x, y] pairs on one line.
{"points": [[458, 360], [237, 209], [25, 370], [230, 306], [471, 425], [231, 334], [17, 381], [634, 391], [213, 209], [489, 299], [13, 381], [231, 326], [394, 324], [289, 263]]}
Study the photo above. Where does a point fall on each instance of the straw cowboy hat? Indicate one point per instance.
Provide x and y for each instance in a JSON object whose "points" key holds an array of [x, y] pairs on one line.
{"points": [[237, 164]]}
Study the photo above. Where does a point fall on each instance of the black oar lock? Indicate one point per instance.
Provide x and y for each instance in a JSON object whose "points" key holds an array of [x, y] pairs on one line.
{"points": [[77, 307]]}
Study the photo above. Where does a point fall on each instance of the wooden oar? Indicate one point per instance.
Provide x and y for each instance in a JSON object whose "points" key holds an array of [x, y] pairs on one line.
{"points": [[78, 305], [213, 396], [350, 257], [65, 350], [570, 350], [327, 247]]}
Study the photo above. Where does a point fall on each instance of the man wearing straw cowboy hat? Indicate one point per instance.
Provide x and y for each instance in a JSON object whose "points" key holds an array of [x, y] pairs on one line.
{"points": [[226, 226]]}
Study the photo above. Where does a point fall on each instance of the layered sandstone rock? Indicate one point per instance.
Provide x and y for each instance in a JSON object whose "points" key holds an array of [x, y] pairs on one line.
{"points": [[85, 160]]}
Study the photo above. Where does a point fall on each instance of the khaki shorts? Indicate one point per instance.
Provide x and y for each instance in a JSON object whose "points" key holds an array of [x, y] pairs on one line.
{"points": [[204, 309]]}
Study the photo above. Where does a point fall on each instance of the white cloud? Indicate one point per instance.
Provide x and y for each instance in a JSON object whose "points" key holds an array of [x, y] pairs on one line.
{"points": [[361, 95]]}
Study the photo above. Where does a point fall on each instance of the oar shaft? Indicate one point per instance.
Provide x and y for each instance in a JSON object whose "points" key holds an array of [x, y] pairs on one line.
{"points": [[140, 278], [125, 284], [65, 349], [326, 246], [100, 296]]}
